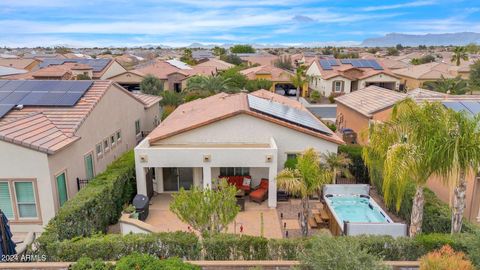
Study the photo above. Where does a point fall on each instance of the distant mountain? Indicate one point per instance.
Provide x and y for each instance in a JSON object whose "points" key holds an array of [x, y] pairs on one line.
{"points": [[446, 39]]}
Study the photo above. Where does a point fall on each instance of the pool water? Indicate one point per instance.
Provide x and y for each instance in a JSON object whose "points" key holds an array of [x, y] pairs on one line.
{"points": [[356, 209]]}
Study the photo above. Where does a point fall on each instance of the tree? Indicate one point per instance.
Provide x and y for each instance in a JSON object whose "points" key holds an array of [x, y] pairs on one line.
{"points": [[474, 77], [171, 98], [472, 48], [83, 77], [423, 60], [298, 79], [459, 54], [404, 150], [187, 57], [399, 47], [341, 253], [337, 164], [457, 155], [62, 50], [445, 259], [210, 84], [236, 79], [151, 85], [454, 86], [305, 180], [392, 51], [208, 210], [284, 61], [242, 49], [257, 84], [231, 58], [218, 51]]}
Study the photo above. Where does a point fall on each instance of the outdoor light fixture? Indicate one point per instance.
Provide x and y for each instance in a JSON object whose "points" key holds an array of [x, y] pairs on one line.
{"points": [[268, 158], [143, 158], [207, 158]]}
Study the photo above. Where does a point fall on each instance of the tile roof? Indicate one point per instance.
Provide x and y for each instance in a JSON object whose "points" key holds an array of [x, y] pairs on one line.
{"points": [[49, 129], [16, 63], [147, 100], [205, 111], [429, 71], [344, 70], [278, 74], [161, 69], [371, 99], [5, 71], [216, 63]]}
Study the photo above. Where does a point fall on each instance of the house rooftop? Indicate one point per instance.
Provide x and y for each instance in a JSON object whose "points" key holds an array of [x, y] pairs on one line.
{"points": [[352, 69], [221, 106], [428, 71], [278, 74]]}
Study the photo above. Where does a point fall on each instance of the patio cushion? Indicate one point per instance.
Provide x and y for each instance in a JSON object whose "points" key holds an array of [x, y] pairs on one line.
{"points": [[237, 181], [264, 183], [260, 194]]}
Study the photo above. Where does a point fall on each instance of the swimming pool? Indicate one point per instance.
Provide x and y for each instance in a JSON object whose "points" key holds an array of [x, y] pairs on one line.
{"points": [[352, 212], [356, 209]]}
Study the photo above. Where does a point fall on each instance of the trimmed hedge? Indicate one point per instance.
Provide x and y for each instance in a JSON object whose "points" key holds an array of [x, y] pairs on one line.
{"points": [[233, 247], [112, 247], [357, 168], [95, 206]]}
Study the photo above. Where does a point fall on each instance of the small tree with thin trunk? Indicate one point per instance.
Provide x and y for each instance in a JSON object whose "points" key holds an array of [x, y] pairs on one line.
{"points": [[299, 79], [305, 180], [151, 85], [338, 164], [459, 54], [208, 210]]}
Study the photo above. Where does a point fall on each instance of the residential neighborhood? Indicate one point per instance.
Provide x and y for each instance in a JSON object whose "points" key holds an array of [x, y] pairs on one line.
{"points": [[239, 135]]}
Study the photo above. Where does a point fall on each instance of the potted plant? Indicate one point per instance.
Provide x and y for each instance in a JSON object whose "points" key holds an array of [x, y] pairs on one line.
{"points": [[130, 210]]}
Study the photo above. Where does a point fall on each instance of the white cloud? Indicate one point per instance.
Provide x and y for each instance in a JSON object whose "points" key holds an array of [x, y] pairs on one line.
{"points": [[397, 6]]}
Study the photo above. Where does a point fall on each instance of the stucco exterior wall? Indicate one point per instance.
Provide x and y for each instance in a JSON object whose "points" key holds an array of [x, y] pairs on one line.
{"points": [[379, 78], [114, 69], [127, 77], [16, 163], [248, 129], [352, 119]]}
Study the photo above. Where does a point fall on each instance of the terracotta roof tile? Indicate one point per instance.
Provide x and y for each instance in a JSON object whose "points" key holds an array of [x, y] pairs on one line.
{"points": [[147, 100]]}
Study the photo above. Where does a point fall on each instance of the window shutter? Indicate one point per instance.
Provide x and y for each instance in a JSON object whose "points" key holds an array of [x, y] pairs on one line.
{"points": [[6, 200]]}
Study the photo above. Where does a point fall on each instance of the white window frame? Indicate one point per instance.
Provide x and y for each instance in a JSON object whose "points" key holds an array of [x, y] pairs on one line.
{"points": [[118, 138], [99, 155], [106, 147], [113, 142], [335, 86], [139, 128], [14, 202]]}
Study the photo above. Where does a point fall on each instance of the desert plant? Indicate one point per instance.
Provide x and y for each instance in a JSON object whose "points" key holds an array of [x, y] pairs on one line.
{"points": [[337, 164], [257, 84], [445, 259], [210, 84], [151, 85], [459, 54]]}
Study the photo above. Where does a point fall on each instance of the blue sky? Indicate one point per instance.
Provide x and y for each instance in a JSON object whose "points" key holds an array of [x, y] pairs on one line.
{"points": [[181, 22]]}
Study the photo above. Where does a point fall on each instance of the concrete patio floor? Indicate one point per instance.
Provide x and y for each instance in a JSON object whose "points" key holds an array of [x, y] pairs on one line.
{"points": [[164, 220]]}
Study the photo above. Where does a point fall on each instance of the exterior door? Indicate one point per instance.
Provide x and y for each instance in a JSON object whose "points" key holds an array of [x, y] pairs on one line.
{"points": [[176, 178], [89, 173], [185, 178]]}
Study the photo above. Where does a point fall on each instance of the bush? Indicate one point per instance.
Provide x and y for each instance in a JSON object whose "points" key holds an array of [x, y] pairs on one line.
{"points": [[149, 262], [445, 259], [112, 247], [357, 168], [231, 58], [315, 96], [88, 264], [242, 49], [167, 110], [331, 98], [151, 85], [290, 163], [257, 84], [339, 254]]}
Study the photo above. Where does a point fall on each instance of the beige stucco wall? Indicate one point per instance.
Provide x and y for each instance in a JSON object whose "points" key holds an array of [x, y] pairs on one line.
{"points": [[249, 129], [114, 69], [379, 78], [17, 162], [127, 77], [352, 119]]}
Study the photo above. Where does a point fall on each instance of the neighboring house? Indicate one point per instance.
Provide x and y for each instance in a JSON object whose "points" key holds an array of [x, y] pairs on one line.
{"points": [[357, 110], [342, 76], [258, 59], [280, 78], [174, 73], [49, 139], [202, 55], [216, 63], [129, 80], [228, 135], [18, 63], [66, 71], [8, 71], [415, 76], [101, 68], [392, 64]]}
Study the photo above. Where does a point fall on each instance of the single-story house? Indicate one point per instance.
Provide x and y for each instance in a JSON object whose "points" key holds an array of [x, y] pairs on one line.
{"points": [[228, 135], [49, 140], [101, 69], [20, 63], [415, 76]]}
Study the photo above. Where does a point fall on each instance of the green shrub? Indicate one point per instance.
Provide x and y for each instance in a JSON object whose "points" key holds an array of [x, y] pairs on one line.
{"points": [[95, 206], [315, 96], [234, 247], [357, 168], [339, 254], [257, 84], [331, 98], [148, 262], [290, 163], [112, 247], [86, 263]]}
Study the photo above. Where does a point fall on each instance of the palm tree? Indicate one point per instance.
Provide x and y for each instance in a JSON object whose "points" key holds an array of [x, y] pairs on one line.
{"points": [[305, 180], [299, 79], [458, 155], [402, 150], [454, 86], [459, 54], [210, 84], [337, 164]]}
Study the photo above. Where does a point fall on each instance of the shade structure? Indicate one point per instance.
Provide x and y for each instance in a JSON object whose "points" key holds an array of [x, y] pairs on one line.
{"points": [[7, 246]]}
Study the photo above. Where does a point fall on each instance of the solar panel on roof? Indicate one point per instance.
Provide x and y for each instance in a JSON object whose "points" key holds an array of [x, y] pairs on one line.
{"points": [[80, 86], [14, 97], [375, 65], [456, 106], [5, 108], [325, 64], [69, 99], [2, 83], [472, 106], [96, 64], [11, 86], [287, 113]]}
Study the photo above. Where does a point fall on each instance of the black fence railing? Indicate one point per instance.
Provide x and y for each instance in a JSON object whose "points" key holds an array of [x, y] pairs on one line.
{"points": [[81, 183]]}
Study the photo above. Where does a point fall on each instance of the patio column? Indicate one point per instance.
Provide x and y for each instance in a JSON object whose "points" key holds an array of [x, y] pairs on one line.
{"points": [[141, 179], [207, 177], [272, 185]]}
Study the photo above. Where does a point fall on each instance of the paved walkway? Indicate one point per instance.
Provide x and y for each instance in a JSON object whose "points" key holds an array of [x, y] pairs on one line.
{"points": [[250, 220]]}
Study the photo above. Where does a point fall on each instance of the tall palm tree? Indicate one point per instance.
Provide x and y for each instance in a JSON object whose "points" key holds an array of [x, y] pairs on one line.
{"points": [[305, 180], [210, 84], [454, 86], [458, 155], [337, 164], [459, 54], [299, 79], [403, 149]]}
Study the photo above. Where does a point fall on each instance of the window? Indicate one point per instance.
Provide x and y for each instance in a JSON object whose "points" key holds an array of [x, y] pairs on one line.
{"points": [[137, 127], [231, 171], [292, 156], [62, 188], [113, 142], [106, 145], [99, 150], [6, 200], [119, 136], [27, 207], [337, 86]]}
